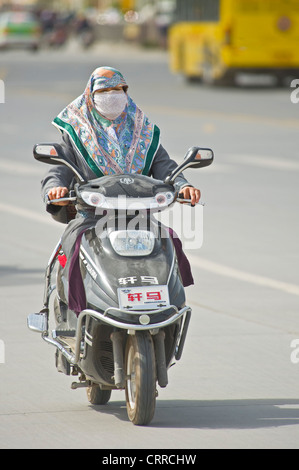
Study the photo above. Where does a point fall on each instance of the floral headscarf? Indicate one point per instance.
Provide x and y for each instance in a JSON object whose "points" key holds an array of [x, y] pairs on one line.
{"points": [[126, 145]]}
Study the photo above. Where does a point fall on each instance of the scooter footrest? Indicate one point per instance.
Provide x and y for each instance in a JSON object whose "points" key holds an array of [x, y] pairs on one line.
{"points": [[68, 333]]}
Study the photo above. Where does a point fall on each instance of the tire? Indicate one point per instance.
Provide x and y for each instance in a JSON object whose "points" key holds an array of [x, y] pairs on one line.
{"points": [[140, 378], [96, 396], [207, 74]]}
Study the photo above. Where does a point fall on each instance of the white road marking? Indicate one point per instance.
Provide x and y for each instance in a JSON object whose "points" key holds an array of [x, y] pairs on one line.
{"points": [[227, 164], [27, 214], [263, 161], [197, 261], [13, 167], [239, 275], [215, 167], [289, 123]]}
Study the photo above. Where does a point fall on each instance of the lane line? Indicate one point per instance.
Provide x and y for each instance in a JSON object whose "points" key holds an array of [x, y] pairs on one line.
{"points": [[13, 167], [229, 161], [264, 162], [227, 116], [291, 123], [239, 275], [27, 214], [195, 260]]}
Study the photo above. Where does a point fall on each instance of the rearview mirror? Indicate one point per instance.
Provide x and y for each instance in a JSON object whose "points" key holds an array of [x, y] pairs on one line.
{"points": [[49, 153], [53, 154], [196, 157]]}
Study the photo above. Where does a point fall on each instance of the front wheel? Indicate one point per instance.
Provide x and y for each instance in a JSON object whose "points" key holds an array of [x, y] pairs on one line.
{"points": [[97, 396], [140, 378]]}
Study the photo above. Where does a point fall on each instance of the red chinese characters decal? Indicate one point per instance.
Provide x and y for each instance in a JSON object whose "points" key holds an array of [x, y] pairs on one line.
{"points": [[153, 295], [136, 296]]}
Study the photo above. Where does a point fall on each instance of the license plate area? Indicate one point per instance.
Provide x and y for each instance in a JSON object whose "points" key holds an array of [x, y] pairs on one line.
{"points": [[143, 297]]}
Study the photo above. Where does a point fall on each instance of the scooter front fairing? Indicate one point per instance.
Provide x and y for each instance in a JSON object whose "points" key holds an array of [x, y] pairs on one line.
{"points": [[130, 282]]}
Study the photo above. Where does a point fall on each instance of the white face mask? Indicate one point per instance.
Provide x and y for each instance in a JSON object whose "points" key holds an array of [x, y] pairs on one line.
{"points": [[110, 104]]}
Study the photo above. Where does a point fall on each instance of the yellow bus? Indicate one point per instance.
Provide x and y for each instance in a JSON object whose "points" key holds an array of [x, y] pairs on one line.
{"points": [[216, 40]]}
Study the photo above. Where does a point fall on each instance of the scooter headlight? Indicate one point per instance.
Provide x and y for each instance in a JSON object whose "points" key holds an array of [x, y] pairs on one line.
{"points": [[164, 199], [93, 199], [132, 242]]}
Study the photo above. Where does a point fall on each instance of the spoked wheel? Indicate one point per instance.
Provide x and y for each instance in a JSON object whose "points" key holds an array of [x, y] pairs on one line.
{"points": [[141, 378], [96, 396]]}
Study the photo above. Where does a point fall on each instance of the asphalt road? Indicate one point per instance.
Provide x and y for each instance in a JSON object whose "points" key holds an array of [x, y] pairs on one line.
{"points": [[237, 384]]}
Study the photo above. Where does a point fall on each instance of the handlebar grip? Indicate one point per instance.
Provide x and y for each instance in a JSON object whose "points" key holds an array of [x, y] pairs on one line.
{"points": [[186, 201], [61, 199]]}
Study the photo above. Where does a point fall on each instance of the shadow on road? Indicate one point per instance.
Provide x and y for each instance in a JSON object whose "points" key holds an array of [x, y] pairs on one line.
{"points": [[216, 414]]}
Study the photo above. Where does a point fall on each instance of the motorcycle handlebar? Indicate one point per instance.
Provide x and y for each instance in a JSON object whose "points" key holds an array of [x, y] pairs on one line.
{"points": [[182, 200], [187, 201], [62, 199]]}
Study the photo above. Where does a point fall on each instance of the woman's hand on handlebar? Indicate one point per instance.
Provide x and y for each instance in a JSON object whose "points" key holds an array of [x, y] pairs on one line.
{"points": [[188, 192], [58, 193]]}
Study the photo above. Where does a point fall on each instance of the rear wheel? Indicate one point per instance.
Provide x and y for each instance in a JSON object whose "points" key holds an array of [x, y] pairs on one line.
{"points": [[141, 378], [97, 396]]}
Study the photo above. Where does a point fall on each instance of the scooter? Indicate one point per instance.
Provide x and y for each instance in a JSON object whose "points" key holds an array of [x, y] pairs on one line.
{"points": [[136, 318]]}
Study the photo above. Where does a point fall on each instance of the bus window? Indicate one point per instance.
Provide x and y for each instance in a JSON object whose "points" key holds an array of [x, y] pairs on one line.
{"points": [[266, 6], [210, 10], [197, 10]]}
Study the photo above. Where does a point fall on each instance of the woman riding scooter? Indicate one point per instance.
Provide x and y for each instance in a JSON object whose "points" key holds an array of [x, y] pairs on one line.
{"points": [[105, 133]]}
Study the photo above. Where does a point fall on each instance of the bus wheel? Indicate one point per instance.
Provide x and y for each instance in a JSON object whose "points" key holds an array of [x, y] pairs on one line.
{"points": [[207, 74]]}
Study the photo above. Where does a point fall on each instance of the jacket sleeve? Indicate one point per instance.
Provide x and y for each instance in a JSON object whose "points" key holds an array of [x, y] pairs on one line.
{"points": [[58, 175], [162, 166]]}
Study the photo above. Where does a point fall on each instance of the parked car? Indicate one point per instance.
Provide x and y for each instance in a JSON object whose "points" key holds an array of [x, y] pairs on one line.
{"points": [[19, 29]]}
